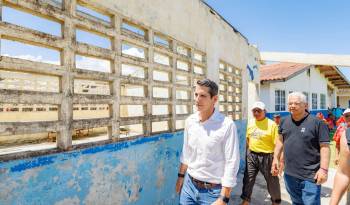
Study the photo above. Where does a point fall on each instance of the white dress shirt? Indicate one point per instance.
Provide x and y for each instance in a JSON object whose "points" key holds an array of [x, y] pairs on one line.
{"points": [[211, 149]]}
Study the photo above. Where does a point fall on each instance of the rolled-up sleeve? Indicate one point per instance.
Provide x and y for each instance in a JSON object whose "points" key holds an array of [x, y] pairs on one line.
{"points": [[184, 153], [231, 149]]}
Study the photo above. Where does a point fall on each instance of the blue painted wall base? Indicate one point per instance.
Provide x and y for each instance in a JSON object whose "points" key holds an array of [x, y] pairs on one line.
{"points": [[142, 171]]}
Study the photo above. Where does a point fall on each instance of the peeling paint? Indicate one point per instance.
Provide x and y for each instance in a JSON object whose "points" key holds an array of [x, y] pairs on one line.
{"points": [[7, 190], [160, 175], [70, 201], [142, 171], [31, 174]]}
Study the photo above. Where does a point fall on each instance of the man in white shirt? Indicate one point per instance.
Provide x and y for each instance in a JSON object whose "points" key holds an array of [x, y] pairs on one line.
{"points": [[210, 154]]}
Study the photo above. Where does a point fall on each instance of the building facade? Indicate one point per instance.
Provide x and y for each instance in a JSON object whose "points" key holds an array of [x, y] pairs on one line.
{"points": [[318, 83]]}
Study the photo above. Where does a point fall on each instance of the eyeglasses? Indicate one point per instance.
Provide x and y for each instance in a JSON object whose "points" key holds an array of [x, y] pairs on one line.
{"points": [[257, 110], [346, 116], [294, 103]]}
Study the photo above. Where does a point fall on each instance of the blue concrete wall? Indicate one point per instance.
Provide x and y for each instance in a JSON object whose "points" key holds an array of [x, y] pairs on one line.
{"points": [[141, 171]]}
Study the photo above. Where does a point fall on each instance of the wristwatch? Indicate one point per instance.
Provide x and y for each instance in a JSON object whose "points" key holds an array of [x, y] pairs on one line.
{"points": [[180, 175], [224, 199]]}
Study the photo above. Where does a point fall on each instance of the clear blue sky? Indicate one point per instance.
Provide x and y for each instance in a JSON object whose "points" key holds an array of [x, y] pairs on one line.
{"points": [[309, 26]]}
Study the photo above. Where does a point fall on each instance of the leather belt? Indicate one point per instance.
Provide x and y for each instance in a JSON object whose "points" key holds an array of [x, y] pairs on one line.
{"points": [[203, 185], [260, 153]]}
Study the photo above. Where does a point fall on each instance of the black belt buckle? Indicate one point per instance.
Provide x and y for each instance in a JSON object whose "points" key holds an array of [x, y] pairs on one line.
{"points": [[200, 183]]}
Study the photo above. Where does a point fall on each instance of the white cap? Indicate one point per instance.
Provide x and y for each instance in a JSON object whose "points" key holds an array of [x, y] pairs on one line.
{"points": [[346, 111], [260, 105]]}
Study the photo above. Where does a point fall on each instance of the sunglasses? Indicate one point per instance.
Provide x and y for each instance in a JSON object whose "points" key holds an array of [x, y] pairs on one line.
{"points": [[257, 110], [346, 116]]}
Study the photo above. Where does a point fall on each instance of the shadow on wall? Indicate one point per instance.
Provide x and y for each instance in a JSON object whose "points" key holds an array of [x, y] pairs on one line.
{"points": [[141, 171]]}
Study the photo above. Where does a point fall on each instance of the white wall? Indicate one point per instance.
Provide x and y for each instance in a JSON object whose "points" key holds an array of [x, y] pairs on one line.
{"points": [[253, 96], [344, 101], [316, 83], [191, 22], [344, 97], [265, 96]]}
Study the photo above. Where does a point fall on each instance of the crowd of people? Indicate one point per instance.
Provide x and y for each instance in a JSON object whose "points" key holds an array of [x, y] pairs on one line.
{"points": [[337, 125], [297, 146]]}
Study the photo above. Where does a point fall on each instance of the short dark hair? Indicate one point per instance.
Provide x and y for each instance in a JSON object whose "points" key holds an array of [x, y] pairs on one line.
{"points": [[213, 87]]}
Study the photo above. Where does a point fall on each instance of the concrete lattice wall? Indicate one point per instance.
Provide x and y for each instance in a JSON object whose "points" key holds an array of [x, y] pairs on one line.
{"points": [[139, 171], [197, 29], [67, 72]]}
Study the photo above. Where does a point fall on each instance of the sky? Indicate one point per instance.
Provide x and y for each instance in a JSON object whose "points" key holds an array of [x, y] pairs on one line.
{"points": [[308, 26]]}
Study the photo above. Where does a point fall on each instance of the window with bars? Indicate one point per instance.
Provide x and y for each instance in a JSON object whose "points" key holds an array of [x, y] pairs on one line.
{"points": [[322, 101], [280, 100], [314, 101]]}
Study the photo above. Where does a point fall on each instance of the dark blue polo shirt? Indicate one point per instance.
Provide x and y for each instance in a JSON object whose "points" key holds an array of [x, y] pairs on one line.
{"points": [[301, 140]]}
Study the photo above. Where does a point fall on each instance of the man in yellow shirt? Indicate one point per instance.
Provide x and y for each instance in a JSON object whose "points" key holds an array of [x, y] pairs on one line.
{"points": [[261, 135]]}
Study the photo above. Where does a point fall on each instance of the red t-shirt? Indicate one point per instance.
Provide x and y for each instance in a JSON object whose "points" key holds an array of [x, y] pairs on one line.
{"points": [[337, 135], [340, 120], [330, 123]]}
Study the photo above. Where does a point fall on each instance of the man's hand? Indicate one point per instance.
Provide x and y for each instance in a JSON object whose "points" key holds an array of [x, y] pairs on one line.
{"points": [[321, 176], [179, 183], [180, 179], [275, 168], [218, 202]]}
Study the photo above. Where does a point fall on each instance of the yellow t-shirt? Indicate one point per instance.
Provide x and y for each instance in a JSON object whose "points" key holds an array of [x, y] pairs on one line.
{"points": [[262, 135]]}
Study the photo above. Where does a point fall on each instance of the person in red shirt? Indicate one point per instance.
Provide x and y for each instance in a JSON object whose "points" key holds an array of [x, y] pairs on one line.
{"points": [[320, 116], [340, 130], [340, 120]]}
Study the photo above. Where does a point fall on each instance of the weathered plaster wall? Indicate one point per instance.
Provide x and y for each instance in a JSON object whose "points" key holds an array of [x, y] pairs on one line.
{"points": [[142, 171], [192, 22], [188, 22]]}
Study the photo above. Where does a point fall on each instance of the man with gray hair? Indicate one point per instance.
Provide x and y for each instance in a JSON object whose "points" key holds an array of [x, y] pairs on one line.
{"points": [[304, 140]]}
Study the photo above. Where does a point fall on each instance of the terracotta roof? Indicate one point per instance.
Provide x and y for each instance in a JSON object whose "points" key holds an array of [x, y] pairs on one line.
{"points": [[281, 71]]}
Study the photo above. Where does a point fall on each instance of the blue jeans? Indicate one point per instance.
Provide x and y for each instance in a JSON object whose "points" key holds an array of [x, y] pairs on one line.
{"points": [[190, 194], [302, 192]]}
